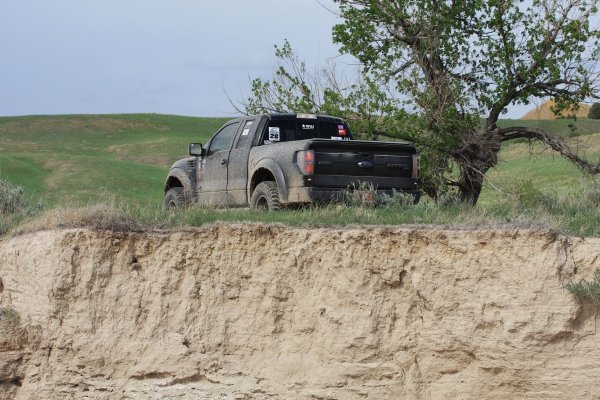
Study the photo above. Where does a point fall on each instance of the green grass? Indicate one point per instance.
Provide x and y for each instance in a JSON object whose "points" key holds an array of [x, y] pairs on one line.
{"points": [[562, 127], [579, 216], [79, 160], [522, 162], [75, 159]]}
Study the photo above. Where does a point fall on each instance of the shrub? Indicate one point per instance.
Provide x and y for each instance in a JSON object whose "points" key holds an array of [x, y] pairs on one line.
{"points": [[591, 195], [14, 207], [585, 290], [12, 198], [594, 111], [365, 194], [531, 197], [9, 320]]}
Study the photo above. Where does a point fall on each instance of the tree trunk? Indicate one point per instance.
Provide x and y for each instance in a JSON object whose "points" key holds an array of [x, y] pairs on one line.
{"points": [[478, 154], [469, 185]]}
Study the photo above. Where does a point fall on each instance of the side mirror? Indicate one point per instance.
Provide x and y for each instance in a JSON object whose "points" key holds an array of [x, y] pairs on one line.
{"points": [[196, 149]]}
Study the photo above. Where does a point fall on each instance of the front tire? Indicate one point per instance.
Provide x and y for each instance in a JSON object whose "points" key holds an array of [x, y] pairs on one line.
{"points": [[265, 197], [174, 199]]}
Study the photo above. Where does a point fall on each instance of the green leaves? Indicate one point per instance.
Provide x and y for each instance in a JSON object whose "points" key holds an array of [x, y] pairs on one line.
{"points": [[448, 63]]}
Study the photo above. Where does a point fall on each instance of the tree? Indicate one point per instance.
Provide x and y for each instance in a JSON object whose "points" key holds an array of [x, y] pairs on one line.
{"points": [[453, 63], [594, 111]]}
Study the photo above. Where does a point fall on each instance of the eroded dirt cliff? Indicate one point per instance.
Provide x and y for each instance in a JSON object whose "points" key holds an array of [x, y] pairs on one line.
{"points": [[258, 312]]}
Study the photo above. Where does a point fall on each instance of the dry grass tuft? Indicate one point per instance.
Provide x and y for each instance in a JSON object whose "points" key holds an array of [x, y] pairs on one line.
{"points": [[10, 320], [97, 216]]}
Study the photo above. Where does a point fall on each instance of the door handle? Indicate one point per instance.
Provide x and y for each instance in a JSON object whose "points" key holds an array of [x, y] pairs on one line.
{"points": [[224, 161]]}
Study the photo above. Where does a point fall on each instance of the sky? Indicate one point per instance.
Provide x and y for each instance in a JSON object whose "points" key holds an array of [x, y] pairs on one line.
{"points": [[181, 57], [129, 56]]}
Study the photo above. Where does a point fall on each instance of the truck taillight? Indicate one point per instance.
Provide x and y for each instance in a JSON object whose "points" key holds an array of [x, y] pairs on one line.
{"points": [[416, 161], [306, 162]]}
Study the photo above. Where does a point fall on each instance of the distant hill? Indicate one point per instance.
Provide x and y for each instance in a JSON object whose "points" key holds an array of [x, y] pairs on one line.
{"points": [[77, 159], [544, 112]]}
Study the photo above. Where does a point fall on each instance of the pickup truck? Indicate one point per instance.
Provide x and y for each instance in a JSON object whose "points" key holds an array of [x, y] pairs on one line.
{"points": [[272, 160]]}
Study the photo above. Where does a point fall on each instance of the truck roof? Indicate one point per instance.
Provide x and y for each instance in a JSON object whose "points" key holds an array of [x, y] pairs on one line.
{"points": [[297, 115]]}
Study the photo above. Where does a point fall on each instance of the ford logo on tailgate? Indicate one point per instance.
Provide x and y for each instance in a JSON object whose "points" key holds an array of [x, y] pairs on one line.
{"points": [[365, 164]]}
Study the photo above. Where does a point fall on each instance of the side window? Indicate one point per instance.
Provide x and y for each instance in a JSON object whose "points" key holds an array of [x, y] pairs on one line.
{"points": [[280, 131], [243, 140], [223, 139]]}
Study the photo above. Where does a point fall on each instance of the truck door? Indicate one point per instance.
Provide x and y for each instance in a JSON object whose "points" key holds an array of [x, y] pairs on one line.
{"points": [[237, 173], [211, 183]]}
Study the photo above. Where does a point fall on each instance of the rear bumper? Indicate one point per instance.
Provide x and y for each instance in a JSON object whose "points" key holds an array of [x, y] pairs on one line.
{"points": [[330, 195]]}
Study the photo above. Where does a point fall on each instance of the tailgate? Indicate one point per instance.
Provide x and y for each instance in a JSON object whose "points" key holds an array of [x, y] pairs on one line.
{"points": [[343, 164]]}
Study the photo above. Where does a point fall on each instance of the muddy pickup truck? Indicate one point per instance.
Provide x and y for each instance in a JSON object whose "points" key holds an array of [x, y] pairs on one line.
{"points": [[273, 160]]}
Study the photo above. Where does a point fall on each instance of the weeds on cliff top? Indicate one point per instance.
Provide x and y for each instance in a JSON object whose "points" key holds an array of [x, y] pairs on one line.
{"points": [[96, 216], [585, 290], [14, 206], [523, 208]]}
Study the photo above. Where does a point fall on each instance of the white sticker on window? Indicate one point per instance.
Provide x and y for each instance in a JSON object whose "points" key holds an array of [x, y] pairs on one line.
{"points": [[246, 131], [308, 126], [274, 134], [336, 138]]}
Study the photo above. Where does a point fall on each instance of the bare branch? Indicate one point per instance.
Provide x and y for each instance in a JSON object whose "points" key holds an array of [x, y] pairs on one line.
{"points": [[556, 143]]}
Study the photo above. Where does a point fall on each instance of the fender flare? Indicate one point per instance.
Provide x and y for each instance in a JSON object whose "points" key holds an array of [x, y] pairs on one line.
{"points": [[186, 182], [276, 171]]}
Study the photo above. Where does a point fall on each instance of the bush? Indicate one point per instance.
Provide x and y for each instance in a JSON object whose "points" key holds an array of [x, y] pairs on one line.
{"points": [[366, 194], [9, 320], [14, 207], [591, 195], [594, 111], [531, 197], [12, 198], [585, 290]]}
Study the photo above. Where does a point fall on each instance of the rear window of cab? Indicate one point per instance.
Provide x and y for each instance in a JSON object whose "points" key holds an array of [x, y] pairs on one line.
{"points": [[287, 130]]}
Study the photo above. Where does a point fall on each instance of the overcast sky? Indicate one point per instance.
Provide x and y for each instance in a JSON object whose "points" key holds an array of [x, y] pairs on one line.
{"points": [[160, 56], [124, 56]]}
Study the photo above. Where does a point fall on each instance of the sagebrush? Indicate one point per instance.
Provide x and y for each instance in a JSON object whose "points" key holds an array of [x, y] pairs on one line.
{"points": [[9, 319], [12, 198], [586, 290]]}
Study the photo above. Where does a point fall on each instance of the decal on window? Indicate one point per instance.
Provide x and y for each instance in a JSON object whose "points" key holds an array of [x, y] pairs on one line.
{"points": [[274, 134], [308, 126], [337, 138], [247, 126]]}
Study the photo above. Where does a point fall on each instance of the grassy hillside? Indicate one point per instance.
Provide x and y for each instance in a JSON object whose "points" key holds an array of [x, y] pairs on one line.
{"points": [[562, 127], [79, 159], [522, 163], [76, 159]]}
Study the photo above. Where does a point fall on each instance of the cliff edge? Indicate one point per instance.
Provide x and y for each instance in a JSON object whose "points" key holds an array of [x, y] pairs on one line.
{"points": [[260, 312]]}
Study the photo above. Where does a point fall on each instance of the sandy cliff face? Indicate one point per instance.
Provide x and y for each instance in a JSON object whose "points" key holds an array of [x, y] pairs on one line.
{"points": [[255, 312]]}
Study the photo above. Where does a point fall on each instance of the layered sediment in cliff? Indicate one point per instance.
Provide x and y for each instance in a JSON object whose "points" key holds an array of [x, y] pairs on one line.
{"points": [[257, 312]]}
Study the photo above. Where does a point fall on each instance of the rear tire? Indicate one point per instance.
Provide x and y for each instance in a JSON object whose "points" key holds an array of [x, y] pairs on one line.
{"points": [[174, 199], [265, 197]]}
